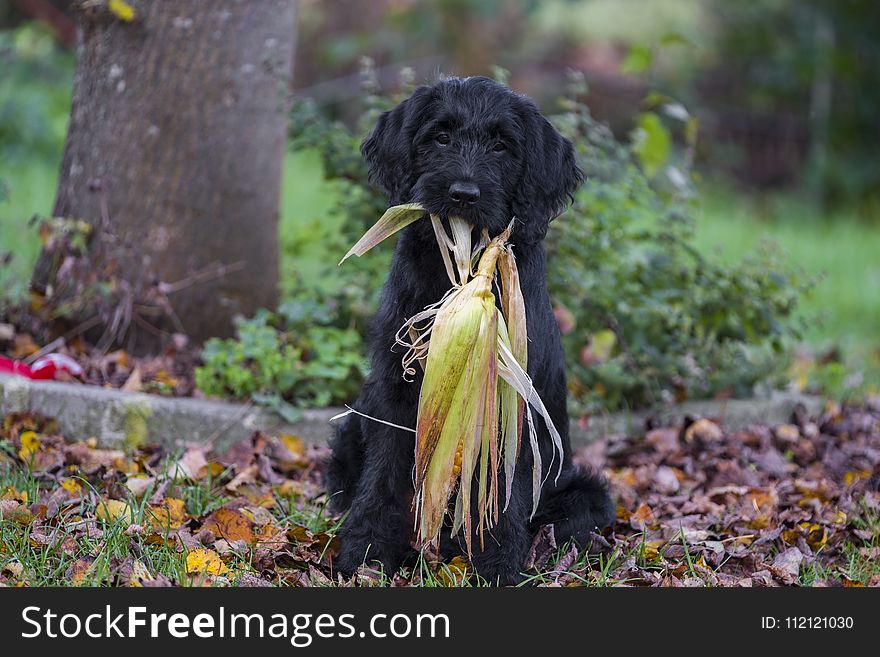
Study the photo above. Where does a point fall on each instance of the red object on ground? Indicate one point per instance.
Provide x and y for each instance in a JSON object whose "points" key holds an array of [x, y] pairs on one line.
{"points": [[44, 368]]}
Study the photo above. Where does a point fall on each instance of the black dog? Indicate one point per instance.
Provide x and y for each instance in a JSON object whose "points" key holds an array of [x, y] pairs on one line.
{"points": [[472, 148]]}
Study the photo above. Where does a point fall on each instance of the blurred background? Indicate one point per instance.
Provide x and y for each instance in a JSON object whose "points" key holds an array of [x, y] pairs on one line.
{"points": [[758, 120]]}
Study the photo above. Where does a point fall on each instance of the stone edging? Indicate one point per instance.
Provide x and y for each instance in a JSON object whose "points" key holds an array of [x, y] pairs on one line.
{"points": [[123, 419]]}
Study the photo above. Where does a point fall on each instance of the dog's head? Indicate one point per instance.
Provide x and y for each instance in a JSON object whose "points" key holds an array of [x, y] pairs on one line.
{"points": [[473, 148]]}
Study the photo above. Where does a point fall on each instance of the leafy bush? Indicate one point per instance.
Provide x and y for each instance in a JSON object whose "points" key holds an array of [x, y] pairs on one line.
{"points": [[286, 360], [646, 318]]}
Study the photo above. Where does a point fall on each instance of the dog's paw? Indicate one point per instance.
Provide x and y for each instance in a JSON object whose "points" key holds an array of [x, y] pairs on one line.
{"points": [[499, 574], [350, 559], [596, 514]]}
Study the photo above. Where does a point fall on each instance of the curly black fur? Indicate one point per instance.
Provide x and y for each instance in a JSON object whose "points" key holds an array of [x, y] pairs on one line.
{"points": [[473, 133]]}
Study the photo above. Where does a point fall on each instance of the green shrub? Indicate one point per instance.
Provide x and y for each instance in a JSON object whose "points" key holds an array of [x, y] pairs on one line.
{"points": [[286, 360], [646, 317]]}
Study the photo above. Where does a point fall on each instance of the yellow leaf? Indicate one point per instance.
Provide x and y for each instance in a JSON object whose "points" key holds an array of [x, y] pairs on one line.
{"points": [[164, 378], [30, 445], [602, 345], [455, 573], [122, 10], [791, 536], [171, 514], [205, 560], [72, 486], [651, 551], [114, 510], [854, 476], [294, 444], [12, 493], [290, 488], [815, 534]]}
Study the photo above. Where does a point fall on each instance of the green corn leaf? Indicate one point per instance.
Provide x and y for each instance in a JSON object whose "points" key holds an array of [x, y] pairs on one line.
{"points": [[394, 219]]}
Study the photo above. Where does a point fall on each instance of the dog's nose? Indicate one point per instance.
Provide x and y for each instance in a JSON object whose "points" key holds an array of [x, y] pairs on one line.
{"points": [[464, 193]]}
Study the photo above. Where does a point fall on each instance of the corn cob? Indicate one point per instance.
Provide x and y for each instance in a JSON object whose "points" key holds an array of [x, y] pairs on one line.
{"points": [[476, 398]]}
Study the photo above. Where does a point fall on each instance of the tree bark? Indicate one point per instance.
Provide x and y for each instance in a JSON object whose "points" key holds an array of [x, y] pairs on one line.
{"points": [[177, 133]]}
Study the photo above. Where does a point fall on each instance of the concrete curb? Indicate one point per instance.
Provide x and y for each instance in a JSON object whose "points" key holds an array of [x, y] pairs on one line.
{"points": [[122, 419]]}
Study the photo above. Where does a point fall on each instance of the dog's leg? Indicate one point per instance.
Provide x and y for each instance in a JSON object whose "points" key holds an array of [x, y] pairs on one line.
{"points": [[577, 507], [345, 465], [379, 525], [505, 547]]}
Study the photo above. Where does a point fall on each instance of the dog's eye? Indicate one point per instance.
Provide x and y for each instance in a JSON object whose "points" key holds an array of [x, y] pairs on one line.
{"points": [[443, 139], [499, 147]]}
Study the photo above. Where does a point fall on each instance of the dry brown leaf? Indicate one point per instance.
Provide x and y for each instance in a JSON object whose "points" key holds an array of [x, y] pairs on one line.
{"points": [[231, 525], [193, 464], [786, 566], [705, 430], [133, 383]]}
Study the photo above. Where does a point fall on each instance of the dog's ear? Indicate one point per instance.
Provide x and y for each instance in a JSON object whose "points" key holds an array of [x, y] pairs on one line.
{"points": [[549, 179], [388, 148]]}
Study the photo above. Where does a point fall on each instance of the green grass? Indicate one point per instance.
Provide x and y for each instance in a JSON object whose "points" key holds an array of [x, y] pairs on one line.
{"points": [[844, 307], [854, 562], [31, 191]]}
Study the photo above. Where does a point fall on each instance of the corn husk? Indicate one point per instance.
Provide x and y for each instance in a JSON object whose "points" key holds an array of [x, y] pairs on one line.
{"points": [[394, 219], [476, 398]]}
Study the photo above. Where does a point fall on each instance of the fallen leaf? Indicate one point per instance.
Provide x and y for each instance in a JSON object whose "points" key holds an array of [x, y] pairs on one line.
{"points": [[170, 514], [642, 517], [72, 486], [247, 476], [665, 480], [705, 430], [135, 574], [787, 565], [205, 561], [133, 382], [454, 573], [294, 444], [15, 511], [30, 445], [230, 524], [193, 465], [787, 433], [138, 485], [79, 570], [114, 510]]}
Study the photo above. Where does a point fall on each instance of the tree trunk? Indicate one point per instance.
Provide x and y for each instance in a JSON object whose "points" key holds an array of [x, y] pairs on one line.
{"points": [[176, 141]]}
